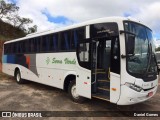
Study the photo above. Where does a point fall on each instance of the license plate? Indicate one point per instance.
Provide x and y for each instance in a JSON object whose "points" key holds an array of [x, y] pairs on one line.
{"points": [[150, 94]]}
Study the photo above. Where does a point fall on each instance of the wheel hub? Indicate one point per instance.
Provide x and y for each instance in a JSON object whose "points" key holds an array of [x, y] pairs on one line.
{"points": [[18, 77], [74, 93]]}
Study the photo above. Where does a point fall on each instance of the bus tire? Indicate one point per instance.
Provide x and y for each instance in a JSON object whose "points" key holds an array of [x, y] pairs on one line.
{"points": [[72, 93], [19, 80]]}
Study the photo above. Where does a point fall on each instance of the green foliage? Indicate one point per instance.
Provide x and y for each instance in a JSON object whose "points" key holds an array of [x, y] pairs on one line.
{"points": [[32, 29], [9, 12], [8, 32], [7, 9]]}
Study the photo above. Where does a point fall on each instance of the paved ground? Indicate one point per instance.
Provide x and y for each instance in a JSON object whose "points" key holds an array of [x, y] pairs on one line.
{"points": [[37, 97]]}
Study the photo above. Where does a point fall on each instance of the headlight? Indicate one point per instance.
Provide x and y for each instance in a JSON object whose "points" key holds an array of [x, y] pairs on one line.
{"points": [[134, 87]]}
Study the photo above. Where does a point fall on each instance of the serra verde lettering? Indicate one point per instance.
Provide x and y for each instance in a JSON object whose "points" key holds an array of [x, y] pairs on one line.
{"points": [[65, 61], [55, 61]]}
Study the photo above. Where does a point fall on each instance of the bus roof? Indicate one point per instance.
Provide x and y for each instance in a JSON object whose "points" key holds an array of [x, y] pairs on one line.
{"points": [[100, 20]]}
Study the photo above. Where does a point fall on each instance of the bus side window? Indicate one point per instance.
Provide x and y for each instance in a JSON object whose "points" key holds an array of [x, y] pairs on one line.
{"points": [[43, 44], [84, 52], [64, 41], [77, 35], [47, 42], [12, 48], [53, 40], [6, 48], [30, 45], [34, 45], [20, 47], [37, 44], [81, 34], [51, 43], [67, 38], [74, 39], [23, 46], [27, 46], [17, 47]]}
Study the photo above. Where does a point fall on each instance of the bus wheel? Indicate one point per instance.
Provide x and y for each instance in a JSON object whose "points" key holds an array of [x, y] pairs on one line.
{"points": [[72, 92], [18, 77]]}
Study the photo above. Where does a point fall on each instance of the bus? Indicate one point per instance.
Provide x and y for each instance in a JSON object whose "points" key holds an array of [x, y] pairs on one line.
{"points": [[112, 59], [158, 59]]}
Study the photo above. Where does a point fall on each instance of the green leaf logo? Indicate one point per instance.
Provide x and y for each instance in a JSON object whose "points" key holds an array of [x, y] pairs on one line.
{"points": [[47, 60]]}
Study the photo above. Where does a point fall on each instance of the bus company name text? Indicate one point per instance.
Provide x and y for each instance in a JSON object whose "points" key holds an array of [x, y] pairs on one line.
{"points": [[58, 61]]}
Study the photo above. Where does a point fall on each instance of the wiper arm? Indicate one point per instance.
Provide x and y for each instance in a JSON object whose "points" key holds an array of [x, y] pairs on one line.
{"points": [[156, 63], [149, 60]]}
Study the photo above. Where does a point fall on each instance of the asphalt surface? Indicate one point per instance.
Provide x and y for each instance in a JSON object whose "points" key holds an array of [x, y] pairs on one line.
{"points": [[37, 97]]}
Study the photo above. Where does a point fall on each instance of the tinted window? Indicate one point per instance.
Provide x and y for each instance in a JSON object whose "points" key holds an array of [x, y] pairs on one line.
{"points": [[13, 47], [78, 35], [103, 30], [33, 48], [37, 47], [69, 39], [53, 42], [75, 39], [44, 44], [21, 47], [65, 41], [84, 52], [16, 46], [6, 48], [32, 45], [27, 46], [47, 38]]}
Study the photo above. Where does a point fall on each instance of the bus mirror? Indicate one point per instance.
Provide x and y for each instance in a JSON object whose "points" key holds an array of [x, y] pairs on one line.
{"points": [[131, 44], [127, 32], [130, 41], [82, 47]]}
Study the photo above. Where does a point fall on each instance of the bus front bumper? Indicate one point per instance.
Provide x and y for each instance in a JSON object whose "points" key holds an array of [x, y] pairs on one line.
{"points": [[129, 96]]}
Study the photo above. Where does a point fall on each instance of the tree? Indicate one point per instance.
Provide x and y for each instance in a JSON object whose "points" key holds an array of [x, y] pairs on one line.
{"points": [[9, 11], [32, 29], [7, 8], [22, 23], [18, 21]]}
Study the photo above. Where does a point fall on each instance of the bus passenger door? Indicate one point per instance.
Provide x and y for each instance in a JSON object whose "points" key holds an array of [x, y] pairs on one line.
{"points": [[83, 77]]}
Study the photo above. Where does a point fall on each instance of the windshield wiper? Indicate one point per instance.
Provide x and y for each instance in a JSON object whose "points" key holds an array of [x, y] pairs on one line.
{"points": [[149, 60]]}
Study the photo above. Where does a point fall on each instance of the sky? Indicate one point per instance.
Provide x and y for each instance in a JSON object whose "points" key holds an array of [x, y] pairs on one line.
{"points": [[52, 14]]}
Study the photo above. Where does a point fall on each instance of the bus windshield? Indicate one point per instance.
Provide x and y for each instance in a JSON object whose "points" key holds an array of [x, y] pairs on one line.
{"points": [[140, 50]]}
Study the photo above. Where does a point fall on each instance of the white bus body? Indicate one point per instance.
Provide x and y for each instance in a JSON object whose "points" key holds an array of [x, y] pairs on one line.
{"points": [[86, 64]]}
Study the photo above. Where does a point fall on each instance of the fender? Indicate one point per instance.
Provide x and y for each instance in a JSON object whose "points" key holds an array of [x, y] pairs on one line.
{"points": [[19, 67], [69, 73]]}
